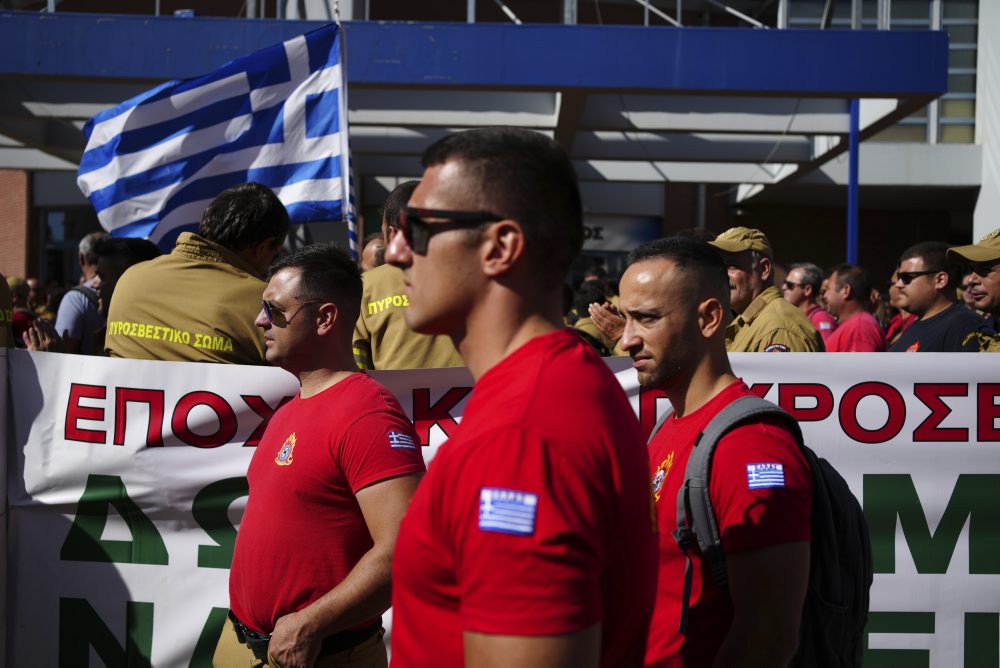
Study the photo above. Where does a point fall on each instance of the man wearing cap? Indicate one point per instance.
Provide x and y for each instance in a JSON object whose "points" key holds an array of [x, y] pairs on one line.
{"points": [[763, 320], [983, 259]]}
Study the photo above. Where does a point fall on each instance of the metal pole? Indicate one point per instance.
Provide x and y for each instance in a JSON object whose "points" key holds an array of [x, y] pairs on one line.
{"points": [[852, 183], [782, 14], [470, 11], [569, 12], [856, 11]]}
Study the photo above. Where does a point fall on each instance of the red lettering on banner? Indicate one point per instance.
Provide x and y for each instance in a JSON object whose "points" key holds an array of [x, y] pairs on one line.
{"points": [[261, 408], [227, 420], [849, 408], [761, 389], [930, 394], [788, 394], [426, 415], [987, 412], [647, 409], [75, 412], [154, 399]]}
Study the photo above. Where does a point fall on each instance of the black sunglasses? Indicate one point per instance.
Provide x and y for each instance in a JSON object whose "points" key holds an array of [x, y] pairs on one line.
{"points": [[907, 276], [792, 286], [417, 230], [277, 317]]}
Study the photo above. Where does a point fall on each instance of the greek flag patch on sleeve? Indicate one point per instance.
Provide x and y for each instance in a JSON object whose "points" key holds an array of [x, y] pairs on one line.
{"points": [[507, 511], [399, 439], [761, 476]]}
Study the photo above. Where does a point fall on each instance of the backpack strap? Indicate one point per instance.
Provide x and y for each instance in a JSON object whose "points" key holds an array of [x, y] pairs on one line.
{"points": [[88, 292], [696, 522]]}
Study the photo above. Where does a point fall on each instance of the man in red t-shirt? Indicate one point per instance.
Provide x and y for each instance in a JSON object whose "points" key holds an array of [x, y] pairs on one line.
{"points": [[675, 298], [802, 289], [847, 296], [329, 483], [530, 541]]}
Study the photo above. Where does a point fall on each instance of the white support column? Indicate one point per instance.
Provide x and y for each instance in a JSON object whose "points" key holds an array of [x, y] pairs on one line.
{"points": [[986, 216], [569, 12]]}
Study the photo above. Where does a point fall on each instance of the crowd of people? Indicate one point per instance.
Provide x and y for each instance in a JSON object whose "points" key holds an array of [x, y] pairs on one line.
{"points": [[543, 531]]}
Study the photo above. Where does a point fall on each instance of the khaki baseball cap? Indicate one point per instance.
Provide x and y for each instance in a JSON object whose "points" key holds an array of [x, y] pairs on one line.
{"points": [[987, 250], [739, 239]]}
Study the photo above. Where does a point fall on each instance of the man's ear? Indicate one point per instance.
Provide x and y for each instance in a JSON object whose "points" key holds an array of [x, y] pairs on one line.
{"points": [[711, 316], [807, 290], [504, 245], [765, 268], [327, 316], [941, 280]]}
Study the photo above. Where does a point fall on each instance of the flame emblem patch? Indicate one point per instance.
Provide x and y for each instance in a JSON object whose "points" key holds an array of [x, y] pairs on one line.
{"points": [[284, 457]]}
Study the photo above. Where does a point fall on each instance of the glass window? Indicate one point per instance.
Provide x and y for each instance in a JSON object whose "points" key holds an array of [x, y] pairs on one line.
{"points": [[957, 134], [961, 34], [902, 133], [961, 83], [911, 9], [960, 9], [962, 58], [958, 108]]}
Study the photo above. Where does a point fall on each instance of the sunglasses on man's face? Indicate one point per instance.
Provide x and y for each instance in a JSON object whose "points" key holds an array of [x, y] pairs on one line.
{"points": [[906, 277], [791, 286], [419, 225], [277, 317]]}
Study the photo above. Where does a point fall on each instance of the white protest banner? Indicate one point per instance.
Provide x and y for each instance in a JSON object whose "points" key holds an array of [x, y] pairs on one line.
{"points": [[127, 482]]}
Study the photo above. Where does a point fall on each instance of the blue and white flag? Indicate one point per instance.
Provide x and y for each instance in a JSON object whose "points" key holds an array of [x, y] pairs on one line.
{"points": [[277, 117]]}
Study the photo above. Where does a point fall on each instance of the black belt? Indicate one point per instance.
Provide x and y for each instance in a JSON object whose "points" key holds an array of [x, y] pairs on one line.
{"points": [[338, 642]]}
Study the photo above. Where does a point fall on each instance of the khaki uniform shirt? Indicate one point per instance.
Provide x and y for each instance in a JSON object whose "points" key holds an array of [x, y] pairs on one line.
{"points": [[381, 338], [197, 304], [772, 324]]}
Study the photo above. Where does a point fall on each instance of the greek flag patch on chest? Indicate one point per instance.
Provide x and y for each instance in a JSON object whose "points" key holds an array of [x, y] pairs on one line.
{"points": [[507, 511], [761, 476]]}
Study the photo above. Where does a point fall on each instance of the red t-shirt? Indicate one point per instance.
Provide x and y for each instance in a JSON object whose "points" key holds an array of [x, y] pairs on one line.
{"points": [[747, 518], [858, 334], [534, 519], [823, 321], [303, 531]]}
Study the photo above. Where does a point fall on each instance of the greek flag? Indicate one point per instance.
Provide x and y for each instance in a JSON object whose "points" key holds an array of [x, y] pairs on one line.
{"points": [[762, 476], [507, 511], [277, 117]]}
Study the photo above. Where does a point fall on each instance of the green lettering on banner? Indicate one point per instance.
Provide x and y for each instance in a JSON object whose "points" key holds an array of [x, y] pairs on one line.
{"points": [[84, 542], [975, 497], [211, 512], [80, 628], [982, 640], [898, 622], [209, 638]]}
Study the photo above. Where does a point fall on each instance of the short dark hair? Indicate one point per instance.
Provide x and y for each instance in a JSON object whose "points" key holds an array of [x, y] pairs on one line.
{"points": [[528, 177], [589, 292], [811, 275], [326, 273], [128, 251], [857, 278], [243, 216], [374, 236], [396, 202], [935, 257], [692, 256]]}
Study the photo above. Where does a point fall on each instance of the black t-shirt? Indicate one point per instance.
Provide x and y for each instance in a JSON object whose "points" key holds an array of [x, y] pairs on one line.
{"points": [[946, 332]]}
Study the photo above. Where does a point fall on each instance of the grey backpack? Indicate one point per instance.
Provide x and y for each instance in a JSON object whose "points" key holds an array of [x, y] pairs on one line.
{"points": [[840, 572]]}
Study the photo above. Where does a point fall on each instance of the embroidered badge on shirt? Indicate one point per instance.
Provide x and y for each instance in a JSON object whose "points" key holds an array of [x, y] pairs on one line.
{"points": [[761, 476], [507, 511], [398, 439], [284, 457], [914, 347], [661, 474], [776, 348]]}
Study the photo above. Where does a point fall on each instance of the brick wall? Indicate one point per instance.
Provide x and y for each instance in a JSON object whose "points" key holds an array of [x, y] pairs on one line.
{"points": [[15, 210]]}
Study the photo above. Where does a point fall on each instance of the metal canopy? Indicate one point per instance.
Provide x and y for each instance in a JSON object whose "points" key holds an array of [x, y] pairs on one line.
{"points": [[631, 104]]}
